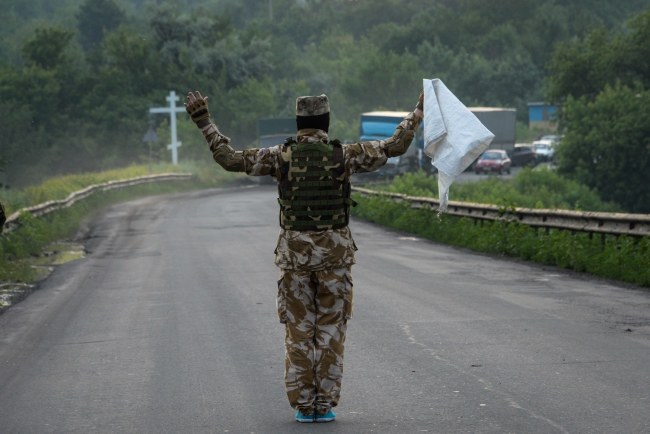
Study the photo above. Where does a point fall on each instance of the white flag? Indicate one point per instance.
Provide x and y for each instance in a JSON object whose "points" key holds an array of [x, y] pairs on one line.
{"points": [[453, 135]]}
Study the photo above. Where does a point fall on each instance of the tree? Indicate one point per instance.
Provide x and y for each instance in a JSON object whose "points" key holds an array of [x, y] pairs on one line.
{"points": [[632, 50], [377, 80], [46, 48], [584, 67], [603, 82], [607, 145], [129, 62], [242, 107], [15, 119], [581, 68], [95, 18]]}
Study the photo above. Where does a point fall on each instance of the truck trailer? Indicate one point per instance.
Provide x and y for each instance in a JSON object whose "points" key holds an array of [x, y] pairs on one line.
{"points": [[502, 122]]}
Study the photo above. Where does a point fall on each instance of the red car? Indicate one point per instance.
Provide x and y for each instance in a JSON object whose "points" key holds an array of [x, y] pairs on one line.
{"points": [[493, 161]]}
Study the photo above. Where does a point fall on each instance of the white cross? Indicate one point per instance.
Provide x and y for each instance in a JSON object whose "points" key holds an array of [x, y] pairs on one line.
{"points": [[172, 110]]}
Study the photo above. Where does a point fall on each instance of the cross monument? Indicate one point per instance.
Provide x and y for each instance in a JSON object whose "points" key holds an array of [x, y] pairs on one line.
{"points": [[172, 110]]}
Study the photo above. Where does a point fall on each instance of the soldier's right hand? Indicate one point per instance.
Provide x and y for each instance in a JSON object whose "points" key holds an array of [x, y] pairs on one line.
{"points": [[197, 107]]}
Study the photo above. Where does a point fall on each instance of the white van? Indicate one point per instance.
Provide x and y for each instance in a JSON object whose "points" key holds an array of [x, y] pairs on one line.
{"points": [[545, 149]]}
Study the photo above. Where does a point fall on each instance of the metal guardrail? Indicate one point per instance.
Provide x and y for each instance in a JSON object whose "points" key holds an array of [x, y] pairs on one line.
{"points": [[13, 221], [592, 222]]}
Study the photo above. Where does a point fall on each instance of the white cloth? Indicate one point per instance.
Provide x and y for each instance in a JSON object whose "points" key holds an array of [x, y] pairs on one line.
{"points": [[453, 135]]}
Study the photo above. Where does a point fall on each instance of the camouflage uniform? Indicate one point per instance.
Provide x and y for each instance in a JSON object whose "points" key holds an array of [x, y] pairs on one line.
{"points": [[315, 288]]}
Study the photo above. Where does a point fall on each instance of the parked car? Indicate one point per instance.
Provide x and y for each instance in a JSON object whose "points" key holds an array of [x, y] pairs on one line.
{"points": [[493, 160], [545, 149], [523, 155], [554, 138]]}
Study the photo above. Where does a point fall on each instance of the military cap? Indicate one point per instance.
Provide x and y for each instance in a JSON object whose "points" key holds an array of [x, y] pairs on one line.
{"points": [[313, 112]]}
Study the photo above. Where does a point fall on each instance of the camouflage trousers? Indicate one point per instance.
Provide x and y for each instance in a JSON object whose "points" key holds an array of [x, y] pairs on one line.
{"points": [[315, 307]]}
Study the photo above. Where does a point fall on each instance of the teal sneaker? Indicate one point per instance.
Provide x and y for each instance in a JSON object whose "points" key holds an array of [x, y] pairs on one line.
{"points": [[325, 417], [304, 418]]}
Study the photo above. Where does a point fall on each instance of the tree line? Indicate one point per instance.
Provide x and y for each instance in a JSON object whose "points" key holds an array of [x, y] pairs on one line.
{"points": [[77, 77], [602, 83]]}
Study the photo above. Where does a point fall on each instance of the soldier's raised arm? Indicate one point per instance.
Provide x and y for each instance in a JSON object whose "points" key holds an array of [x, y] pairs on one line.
{"points": [[401, 139], [251, 161], [371, 155]]}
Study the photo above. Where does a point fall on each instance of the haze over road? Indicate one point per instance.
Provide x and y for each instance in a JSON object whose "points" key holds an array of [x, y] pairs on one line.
{"points": [[169, 325]]}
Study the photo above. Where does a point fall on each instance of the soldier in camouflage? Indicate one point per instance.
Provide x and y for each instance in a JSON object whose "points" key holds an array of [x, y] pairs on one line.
{"points": [[315, 249]]}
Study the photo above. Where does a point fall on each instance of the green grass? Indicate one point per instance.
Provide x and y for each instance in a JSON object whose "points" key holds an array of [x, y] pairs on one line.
{"points": [[207, 173], [614, 257], [530, 188]]}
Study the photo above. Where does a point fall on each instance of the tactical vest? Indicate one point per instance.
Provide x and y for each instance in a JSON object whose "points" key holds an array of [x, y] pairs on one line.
{"points": [[313, 187]]}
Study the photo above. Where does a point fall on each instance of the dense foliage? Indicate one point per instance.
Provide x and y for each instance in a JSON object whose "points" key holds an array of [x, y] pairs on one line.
{"points": [[528, 189], [608, 145], [77, 77], [603, 83]]}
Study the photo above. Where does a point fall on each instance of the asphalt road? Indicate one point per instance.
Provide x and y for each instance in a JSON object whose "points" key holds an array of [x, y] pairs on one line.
{"points": [[169, 326]]}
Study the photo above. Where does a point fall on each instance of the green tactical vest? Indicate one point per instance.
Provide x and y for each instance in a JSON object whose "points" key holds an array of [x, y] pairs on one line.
{"points": [[313, 187]]}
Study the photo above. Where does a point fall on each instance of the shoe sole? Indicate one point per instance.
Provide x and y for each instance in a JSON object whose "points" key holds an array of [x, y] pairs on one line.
{"points": [[325, 417], [305, 420]]}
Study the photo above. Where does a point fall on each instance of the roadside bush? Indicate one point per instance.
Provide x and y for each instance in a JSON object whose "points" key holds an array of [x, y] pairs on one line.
{"points": [[530, 188], [621, 258]]}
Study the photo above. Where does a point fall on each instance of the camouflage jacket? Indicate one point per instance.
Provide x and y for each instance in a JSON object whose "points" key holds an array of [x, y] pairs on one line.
{"points": [[313, 250]]}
